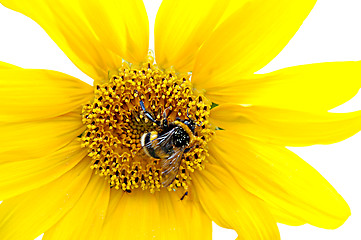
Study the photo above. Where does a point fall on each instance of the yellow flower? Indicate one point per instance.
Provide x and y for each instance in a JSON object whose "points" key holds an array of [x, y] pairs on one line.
{"points": [[73, 165]]}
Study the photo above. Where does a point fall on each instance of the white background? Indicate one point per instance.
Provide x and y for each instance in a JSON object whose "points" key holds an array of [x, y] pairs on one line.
{"points": [[332, 32]]}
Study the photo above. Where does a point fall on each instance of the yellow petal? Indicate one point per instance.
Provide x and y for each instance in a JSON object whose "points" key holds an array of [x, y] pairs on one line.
{"points": [[162, 215], [4, 66], [30, 214], [230, 206], [32, 94], [185, 218], [248, 40], [108, 231], [312, 87], [285, 217], [287, 127], [67, 25], [21, 176], [85, 219], [281, 179], [181, 27], [122, 26], [233, 6], [36, 139]]}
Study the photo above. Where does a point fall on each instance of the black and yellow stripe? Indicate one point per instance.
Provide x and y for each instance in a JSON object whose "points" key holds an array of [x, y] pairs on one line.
{"points": [[149, 148]]}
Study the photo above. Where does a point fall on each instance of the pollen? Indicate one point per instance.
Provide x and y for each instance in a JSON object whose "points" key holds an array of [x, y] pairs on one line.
{"points": [[115, 124]]}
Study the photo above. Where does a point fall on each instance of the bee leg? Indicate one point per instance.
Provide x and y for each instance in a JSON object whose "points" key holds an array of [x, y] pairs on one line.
{"points": [[188, 114], [165, 114], [147, 114], [188, 149]]}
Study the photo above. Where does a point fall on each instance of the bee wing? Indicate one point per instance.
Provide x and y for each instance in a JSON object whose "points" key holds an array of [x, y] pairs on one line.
{"points": [[170, 166], [157, 145]]}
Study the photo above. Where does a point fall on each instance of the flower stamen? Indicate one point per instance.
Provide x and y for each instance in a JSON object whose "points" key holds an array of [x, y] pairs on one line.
{"points": [[115, 124]]}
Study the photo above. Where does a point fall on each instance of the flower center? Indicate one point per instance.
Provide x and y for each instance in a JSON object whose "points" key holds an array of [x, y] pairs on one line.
{"points": [[146, 128]]}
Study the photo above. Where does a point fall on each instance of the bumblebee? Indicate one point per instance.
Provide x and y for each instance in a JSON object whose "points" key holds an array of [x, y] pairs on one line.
{"points": [[168, 144]]}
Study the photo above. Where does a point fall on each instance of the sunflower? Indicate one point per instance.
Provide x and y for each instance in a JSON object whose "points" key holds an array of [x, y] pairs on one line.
{"points": [[163, 144]]}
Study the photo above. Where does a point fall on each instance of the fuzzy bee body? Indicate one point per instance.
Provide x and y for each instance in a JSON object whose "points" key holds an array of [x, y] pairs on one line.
{"points": [[168, 144], [149, 142]]}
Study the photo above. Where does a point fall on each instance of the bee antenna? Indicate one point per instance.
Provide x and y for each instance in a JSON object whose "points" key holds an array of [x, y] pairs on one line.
{"points": [[188, 113], [142, 106], [146, 113], [165, 114]]}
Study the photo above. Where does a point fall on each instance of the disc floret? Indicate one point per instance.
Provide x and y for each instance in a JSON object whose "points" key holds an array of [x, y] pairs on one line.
{"points": [[115, 124]]}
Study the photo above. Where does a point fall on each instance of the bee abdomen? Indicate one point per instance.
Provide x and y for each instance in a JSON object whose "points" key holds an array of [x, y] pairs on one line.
{"points": [[149, 141]]}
